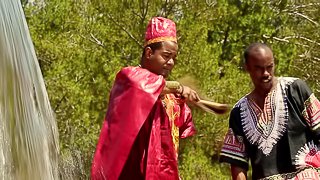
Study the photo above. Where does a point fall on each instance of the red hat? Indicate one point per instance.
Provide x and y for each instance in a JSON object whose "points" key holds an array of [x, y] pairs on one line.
{"points": [[160, 29]]}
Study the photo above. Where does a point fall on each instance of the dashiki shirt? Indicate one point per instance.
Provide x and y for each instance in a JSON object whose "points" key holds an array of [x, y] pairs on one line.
{"points": [[280, 140]]}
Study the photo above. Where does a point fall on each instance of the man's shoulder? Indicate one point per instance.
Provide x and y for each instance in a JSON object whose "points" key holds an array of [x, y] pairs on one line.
{"points": [[241, 101], [130, 70], [292, 82], [132, 73], [136, 71], [236, 109], [139, 77], [288, 80]]}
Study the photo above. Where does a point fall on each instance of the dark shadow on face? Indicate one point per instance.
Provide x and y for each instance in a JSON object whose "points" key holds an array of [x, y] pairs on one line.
{"points": [[161, 61], [260, 66]]}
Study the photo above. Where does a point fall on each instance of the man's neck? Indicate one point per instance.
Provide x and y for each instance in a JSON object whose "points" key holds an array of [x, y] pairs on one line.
{"points": [[259, 96]]}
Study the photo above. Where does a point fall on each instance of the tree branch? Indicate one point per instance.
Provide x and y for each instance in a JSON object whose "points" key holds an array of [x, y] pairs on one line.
{"points": [[125, 30], [286, 39], [144, 8], [316, 58], [303, 38], [305, 16], [95, 40], [135, 13], [308, 56], [304, 6], [275, 38], [211, 3]]}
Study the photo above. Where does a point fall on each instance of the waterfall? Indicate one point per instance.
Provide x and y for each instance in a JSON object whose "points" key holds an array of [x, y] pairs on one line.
{"points": [[28, 131]]}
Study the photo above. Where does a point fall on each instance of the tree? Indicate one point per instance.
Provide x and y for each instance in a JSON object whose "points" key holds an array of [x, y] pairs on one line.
{"points": [[82, 44]]}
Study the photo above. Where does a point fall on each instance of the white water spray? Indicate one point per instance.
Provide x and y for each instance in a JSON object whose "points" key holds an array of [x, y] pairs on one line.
{"points": [[28, 130]]}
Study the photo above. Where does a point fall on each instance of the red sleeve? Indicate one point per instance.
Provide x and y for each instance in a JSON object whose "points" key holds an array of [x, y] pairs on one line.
{"points": [[132, 98], [187, 129]]}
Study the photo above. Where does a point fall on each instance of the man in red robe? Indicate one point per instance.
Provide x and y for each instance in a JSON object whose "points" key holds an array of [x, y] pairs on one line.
{"points": [[146, 114]]}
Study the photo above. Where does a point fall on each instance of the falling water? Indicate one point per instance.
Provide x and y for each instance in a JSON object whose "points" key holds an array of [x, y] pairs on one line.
{"points": [[28, 131]]}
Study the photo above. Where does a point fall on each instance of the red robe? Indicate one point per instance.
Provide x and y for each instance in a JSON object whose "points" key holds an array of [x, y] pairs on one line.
{"points": [[139, 136]]}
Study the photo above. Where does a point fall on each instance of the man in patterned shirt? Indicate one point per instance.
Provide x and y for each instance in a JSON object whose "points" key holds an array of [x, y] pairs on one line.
{"points": [[276, 126]]}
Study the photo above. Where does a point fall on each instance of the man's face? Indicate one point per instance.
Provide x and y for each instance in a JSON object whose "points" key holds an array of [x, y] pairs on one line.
{"points": [[162, 60], [260, 66]]}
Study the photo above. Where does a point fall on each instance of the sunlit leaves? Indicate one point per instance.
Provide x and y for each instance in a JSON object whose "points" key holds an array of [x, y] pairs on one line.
{"points": [[82, 44]]}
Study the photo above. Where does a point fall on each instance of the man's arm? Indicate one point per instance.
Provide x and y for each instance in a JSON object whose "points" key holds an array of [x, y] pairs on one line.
{"points": [[172, 87], [238, 173], [308, 105], [176, 88]]}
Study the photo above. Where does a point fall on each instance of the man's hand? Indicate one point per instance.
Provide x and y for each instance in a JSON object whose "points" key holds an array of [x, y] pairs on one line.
{"points": [[186, 92], [189, 94]]}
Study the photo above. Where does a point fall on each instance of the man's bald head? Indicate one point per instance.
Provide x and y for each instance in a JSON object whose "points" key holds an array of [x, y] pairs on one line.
{"points": [[256, 48], [259, 63]]}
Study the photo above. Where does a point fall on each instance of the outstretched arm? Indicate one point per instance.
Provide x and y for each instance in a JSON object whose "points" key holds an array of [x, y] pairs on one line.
{"points": [[176, 88], [238, 173]]}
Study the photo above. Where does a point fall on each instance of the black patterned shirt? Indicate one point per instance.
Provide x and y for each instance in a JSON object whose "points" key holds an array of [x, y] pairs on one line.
{"points": [[280, 140]]}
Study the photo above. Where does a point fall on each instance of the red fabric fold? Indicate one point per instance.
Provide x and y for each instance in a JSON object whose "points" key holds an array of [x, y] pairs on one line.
{"points": [[136, 139], [161, 163], [133, 95]]}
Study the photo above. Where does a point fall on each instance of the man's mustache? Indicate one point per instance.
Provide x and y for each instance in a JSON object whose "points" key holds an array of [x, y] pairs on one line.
{"points": [[266, 78]]}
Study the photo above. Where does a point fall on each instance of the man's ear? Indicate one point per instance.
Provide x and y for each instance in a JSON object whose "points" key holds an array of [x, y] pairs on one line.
{"points": [[148, 52]]}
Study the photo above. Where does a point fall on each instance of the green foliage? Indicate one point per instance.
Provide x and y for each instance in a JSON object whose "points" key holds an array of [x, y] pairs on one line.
{"points": [[82, 44], [201, 166]]}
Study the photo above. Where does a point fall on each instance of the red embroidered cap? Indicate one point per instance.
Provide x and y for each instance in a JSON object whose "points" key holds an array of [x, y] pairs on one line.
{"points": [[160, 29]]}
